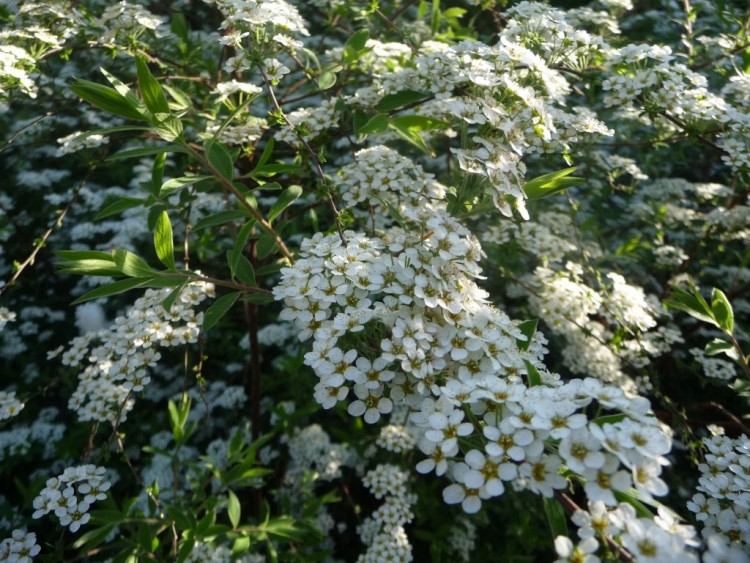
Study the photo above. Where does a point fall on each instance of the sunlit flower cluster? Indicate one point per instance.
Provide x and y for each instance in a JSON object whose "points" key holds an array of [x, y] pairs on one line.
{"points": [[115, 360]]}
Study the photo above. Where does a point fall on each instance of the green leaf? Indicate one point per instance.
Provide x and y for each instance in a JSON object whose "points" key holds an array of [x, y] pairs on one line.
{"points": [[528, 329], [273, 169], [220, 158], [95, 537], [157, 173], [153, 95], [632, 497], [220, 218], [240, 546], [532, 374], [418, 123], [722, 311], [400, 99], [285, 199], [376, 124], [284, 527], [163, 243], [692, 303], [179, 183], [260, 298], [245, 272], [71, 255], [89, 267], [105, 98], [550, 184], [266, 245], [220, 307], [132, 265], [146, 151], [234, 510], [717, 346], [267, 152], [119, 206], [186, 549], [326, 80], [173, 295], [355, 46], [239, 246], [168, 127], [410, 135], [558, 522], [113, 288], [609, 419]]}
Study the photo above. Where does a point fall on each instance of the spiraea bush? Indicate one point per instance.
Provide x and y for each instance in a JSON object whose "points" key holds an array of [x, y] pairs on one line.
{"points": [[374, 281]]}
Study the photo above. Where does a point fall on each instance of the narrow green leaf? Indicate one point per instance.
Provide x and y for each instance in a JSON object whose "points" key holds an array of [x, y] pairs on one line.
{"points": [[93, 538], [528, 328], [411, 135], [234, 510], [532, 374], [157, 173], [153, 95], [179, 183], [717, 346], [163, 243], [722, 311], [558, 522], [146, 151], [219, 308], [89, 267], [631, 498], [260, 298], [220, 218], [400, 99], [239, 246], [113, 288], [267, 151], [186, 549], [105, 98], [266, 245], [220, 158], [692, 303], [285, 199], [132, 265], [122, 204], [125, 91], [173, 295], [418, 123], [245, 272], [84, 255], [550, 184]]}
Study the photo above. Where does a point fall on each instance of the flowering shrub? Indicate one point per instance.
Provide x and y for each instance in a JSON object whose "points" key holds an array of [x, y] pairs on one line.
{"points": [[385, 281]]}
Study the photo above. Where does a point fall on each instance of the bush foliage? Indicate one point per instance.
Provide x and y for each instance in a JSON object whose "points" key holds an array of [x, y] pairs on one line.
{"points": [[377, 281]]}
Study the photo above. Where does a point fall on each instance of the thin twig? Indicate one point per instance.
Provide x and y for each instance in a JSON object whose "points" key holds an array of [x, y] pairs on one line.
{"points": [[313, 155], [43, 240]]}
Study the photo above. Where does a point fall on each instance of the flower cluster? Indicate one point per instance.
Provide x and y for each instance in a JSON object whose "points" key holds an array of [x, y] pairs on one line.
{"points": [[383, 531], [116, 359], [662, 538], [71, 494], [722, 503], [20, 547]]}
